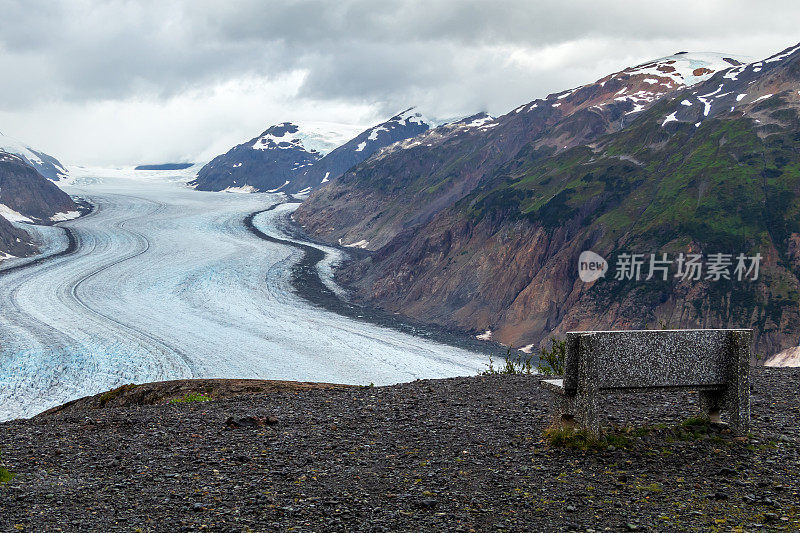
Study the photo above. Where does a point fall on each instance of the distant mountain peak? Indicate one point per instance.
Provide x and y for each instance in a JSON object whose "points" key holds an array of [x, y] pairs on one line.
{"points": [[281, 136]]}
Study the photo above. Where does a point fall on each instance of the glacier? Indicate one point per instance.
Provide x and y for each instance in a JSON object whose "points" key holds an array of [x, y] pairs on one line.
{"points": [[165, 282]]}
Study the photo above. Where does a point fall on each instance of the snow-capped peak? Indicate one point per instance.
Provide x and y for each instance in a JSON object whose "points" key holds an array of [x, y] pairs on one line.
{"points": [[280, 136], [320, 137], [410, 115]]}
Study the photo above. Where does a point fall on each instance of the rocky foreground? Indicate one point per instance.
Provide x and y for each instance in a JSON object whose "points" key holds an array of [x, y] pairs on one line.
{"points": [[464, 454]]}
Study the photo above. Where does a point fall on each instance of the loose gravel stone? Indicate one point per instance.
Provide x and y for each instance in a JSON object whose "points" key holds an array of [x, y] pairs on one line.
{"points": [[462, 454]]}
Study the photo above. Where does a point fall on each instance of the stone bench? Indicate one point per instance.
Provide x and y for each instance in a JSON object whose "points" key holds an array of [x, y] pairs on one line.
{"points": [[715, 362]]}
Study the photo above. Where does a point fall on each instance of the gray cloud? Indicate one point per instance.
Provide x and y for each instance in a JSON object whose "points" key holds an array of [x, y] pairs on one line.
{"points": [[448, 56]]}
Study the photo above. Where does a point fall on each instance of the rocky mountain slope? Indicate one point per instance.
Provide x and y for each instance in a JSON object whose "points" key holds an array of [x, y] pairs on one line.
{"points": [[27, 196], [47, 165], [493, 227], [410, 182]]}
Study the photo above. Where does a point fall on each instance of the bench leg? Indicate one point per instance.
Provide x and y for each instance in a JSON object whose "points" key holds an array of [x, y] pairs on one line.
{"points": [[710, 404], [588, 412], [564, 410], [738, 408], [578, 410], [737, 396]]}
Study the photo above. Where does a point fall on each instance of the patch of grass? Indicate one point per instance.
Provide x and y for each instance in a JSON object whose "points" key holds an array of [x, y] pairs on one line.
{"points": [[582, 439], [696, 428], [573, 438], [652, 487], [618, 440], [5, 475], [693, 428], [113, 393], [192, 397]]}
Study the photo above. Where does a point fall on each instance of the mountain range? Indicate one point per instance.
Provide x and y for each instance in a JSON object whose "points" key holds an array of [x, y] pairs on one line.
{"points": [[480, 226], [290, 158]]}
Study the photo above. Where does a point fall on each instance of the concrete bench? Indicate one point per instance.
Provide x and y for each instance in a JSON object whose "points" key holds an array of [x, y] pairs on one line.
{"points": [[715, 362]]}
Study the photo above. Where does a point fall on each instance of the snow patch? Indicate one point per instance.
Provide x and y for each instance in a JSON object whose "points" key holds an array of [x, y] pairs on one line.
{"points": [[360, 244], [781, 56], [485, 336], [65, 215], [373, 135], [285, 183], [670, 118], [13, 216], [241, 189]]}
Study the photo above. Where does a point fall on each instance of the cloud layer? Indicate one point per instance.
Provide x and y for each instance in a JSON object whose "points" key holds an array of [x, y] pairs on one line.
{"points": [[126, 82]]}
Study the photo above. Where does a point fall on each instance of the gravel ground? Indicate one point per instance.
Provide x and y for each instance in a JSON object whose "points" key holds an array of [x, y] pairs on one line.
{"points": [[463, 454]]}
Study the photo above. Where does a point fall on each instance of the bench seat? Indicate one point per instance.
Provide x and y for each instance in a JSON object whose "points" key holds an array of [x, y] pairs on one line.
{"points": [[557, 386]]}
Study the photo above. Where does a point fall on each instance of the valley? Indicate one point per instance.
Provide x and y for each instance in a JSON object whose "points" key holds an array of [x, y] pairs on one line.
{"points": [[164, 283]]}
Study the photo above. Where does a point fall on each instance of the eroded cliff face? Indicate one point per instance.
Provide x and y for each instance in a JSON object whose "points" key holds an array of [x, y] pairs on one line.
{"points": [[520, 280], [27, 192]]}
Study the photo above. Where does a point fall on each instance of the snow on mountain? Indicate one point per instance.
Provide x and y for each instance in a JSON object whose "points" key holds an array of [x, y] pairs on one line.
{"points": [[404, 125], [688, 68], [320, 137], [48, 166], [739, 89], [324, 137], [646, 83]]}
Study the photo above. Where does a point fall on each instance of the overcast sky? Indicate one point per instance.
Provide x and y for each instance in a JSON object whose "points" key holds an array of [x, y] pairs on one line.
{"points": [[106, 83]]}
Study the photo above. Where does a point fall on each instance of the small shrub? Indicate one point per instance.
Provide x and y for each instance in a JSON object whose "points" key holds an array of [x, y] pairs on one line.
{"points": [[618, 441], [192, 397], [551, 362], [516, 362], [696, 422]]}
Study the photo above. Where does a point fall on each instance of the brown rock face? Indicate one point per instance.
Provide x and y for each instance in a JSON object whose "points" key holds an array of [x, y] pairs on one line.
{"points": [[27, 192], [14, 241]]}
